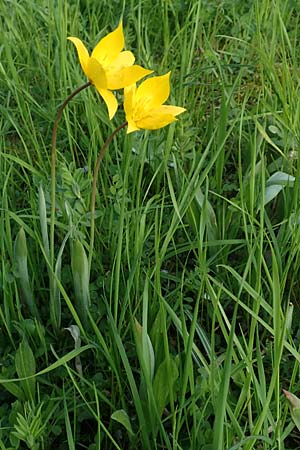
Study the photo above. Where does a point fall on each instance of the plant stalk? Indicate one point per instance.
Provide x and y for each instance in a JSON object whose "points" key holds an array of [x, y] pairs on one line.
{"points": [[94, 190]]}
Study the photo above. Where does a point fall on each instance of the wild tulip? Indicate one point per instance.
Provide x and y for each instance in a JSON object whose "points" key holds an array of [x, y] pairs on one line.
{"points": [[109, 68], [144, 107]]}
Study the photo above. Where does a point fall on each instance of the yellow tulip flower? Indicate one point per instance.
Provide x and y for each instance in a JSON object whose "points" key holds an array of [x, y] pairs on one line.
{"points": [[108, 68], [144, 104]]}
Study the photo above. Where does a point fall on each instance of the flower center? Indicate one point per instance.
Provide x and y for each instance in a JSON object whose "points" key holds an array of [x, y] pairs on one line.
{"points": [[142, 107]]}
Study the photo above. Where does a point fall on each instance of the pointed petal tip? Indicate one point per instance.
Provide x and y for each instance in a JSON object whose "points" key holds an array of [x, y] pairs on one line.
{"points": [[131, 127], [110, 46], [75, 40], [148, 71], [82, 52], [180, 110], [110, 101], [166, 75]]}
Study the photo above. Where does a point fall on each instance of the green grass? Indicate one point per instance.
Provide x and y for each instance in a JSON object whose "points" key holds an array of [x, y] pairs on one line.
{"points": [[185, 331]]}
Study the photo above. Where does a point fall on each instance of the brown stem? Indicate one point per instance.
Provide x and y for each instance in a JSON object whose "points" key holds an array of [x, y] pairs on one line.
{"points": [[94, 190]]}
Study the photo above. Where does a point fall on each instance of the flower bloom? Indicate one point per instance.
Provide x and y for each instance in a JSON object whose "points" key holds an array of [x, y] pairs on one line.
{"points": [[109, 68], [144, 104]]}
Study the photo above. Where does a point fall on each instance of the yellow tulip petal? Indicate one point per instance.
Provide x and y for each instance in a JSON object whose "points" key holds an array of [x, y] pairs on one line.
{"points": [[153, 92], [129, 94], [125, 77], [107, 50], [155, 121], [110, 100], [169, 109], [124, 59], [132, 127], [83, 54], [96, 74]]}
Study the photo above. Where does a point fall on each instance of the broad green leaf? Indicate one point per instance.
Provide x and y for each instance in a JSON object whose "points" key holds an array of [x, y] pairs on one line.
{"points": [[271, 192], [276, 183], [146, 351], [281, 178], [14, 389], [165, 377], [21, 256], [26, 367], [80, 273], [121, 416]]}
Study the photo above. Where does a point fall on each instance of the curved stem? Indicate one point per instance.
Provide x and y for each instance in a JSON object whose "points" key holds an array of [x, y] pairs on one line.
{"points": [[94, 190], [54, 310]]}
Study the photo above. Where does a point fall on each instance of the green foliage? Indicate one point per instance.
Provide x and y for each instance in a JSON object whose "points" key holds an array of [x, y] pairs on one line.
{"points": [[29, 427], [80, 272], [26, 368], [22, 276]]}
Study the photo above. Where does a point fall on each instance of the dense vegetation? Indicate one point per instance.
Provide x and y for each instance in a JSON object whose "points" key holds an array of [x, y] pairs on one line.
{"points": [[193, 325]]}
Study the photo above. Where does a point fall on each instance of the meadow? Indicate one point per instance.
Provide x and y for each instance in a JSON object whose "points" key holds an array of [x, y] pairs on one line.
{"points": [[168, 318]]}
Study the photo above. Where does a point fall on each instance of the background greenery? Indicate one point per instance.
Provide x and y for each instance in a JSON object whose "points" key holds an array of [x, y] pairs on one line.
{"points": [[193, 325]]}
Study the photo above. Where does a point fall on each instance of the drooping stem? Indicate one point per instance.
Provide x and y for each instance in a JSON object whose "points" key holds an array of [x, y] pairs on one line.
{"points": [[53, 163], [94, 190]]}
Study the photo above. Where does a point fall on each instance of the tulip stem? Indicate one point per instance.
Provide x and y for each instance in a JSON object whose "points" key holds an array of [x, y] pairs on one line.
{"points": [[94, 190], [53, 177]]}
